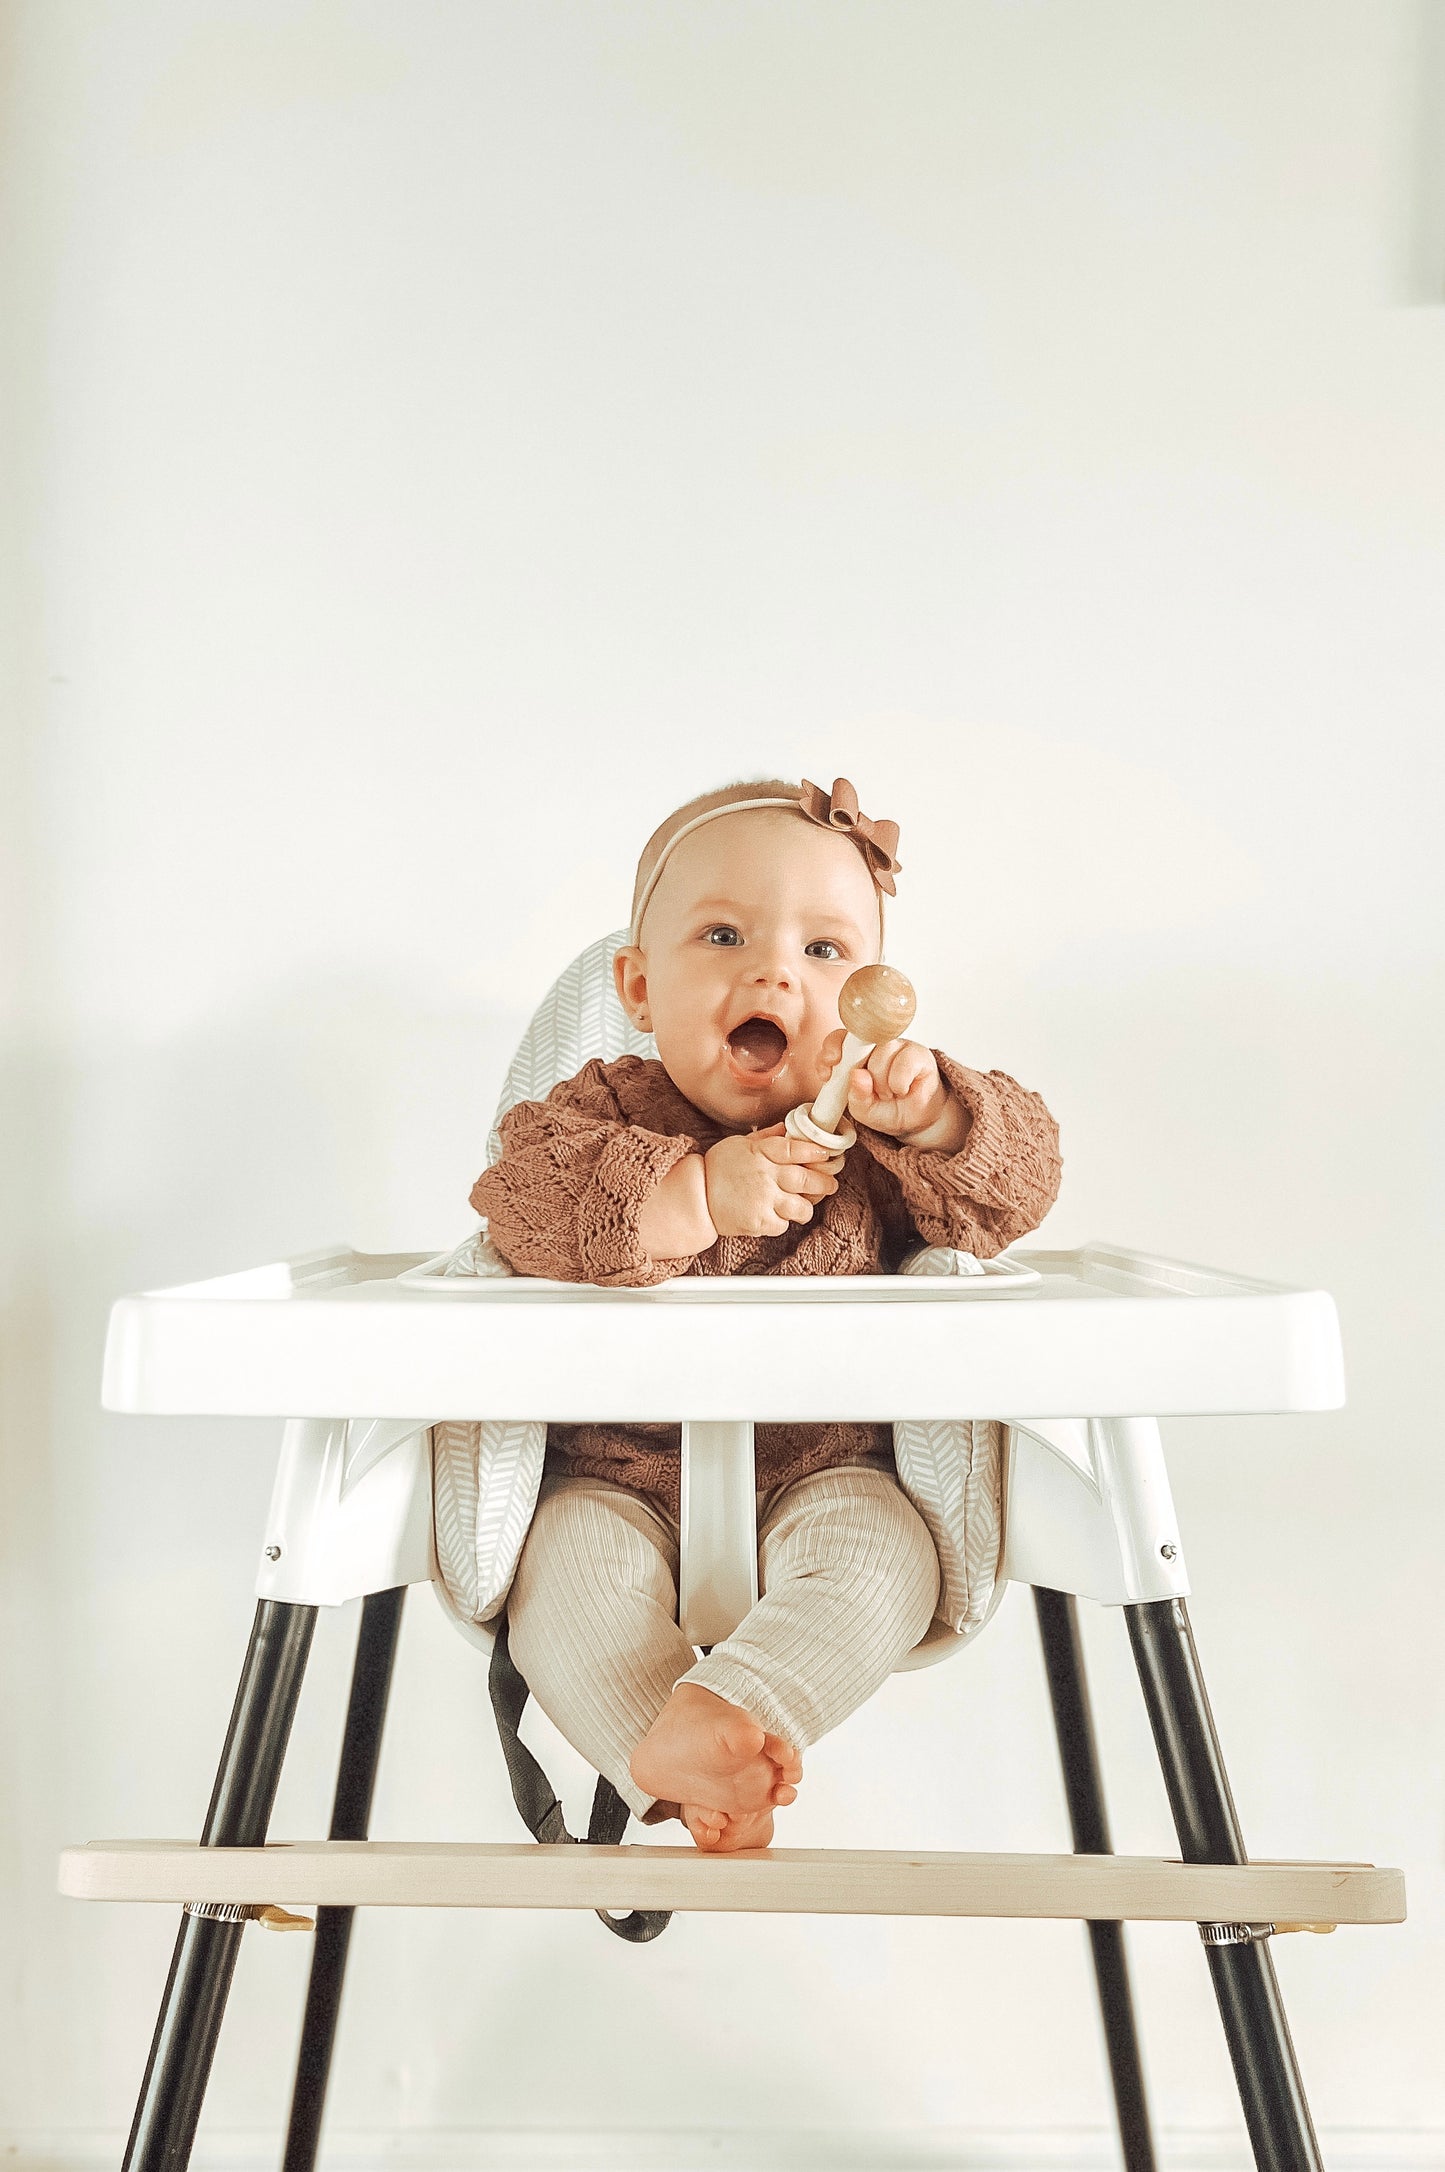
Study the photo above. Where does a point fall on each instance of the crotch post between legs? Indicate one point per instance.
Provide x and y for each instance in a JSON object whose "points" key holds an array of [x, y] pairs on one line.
{"points": [[204, 1961], [350, 1819], [1089, 1826], [1276, 2111]]}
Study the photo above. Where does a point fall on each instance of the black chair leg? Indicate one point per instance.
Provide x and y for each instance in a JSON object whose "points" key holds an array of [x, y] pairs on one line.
{"points": [[1276, 2111], [350, 1817], [204, 1960], [1088, 1821]]}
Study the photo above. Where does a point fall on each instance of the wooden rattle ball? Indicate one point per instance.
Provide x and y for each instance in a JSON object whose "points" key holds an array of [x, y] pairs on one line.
{"points": [[877, 1003]]}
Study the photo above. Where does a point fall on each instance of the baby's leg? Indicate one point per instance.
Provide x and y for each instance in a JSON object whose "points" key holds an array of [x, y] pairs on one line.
{"points": [[592, 1626], [592, 1621], [850, 1581]]}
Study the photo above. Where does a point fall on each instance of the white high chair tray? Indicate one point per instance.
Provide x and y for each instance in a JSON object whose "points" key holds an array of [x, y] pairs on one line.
{"points": [[1102, 1332]]}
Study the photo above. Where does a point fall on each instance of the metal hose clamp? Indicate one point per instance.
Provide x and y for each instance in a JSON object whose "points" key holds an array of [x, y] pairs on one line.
{"points": [[270, 1917], [1234, 1934]]}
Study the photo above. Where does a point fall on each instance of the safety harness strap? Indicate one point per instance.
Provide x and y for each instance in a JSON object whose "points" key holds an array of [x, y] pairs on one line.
{"points": [[536, 1798]]}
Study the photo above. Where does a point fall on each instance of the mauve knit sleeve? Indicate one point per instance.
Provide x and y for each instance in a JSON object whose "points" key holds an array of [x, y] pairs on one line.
{"points": [[564, 1199], [1001, 1182]]}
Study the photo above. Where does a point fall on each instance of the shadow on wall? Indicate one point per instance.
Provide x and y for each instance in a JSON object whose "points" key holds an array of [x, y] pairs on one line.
{"points": [[31, 1129], [1425, 269]]}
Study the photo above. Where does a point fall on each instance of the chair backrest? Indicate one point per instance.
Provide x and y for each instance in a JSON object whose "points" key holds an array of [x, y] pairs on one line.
{"points": [[577, 1019]]}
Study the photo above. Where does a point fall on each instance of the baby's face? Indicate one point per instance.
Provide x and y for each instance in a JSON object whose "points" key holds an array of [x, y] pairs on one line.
{"points": [[756, 922]]}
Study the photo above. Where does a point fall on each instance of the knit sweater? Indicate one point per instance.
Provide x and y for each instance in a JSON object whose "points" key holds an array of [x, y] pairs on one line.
{"points": [[565, 1197]]}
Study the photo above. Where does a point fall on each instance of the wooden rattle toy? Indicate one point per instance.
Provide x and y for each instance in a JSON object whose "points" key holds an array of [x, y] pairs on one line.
{"points": [[874, 1004]]}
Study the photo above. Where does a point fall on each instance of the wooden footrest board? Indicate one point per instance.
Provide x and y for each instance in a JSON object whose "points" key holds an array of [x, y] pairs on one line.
{"points": [[779, 1881]]}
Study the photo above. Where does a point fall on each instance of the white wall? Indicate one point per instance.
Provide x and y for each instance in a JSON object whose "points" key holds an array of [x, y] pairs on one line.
{"points": [[444, 436]]}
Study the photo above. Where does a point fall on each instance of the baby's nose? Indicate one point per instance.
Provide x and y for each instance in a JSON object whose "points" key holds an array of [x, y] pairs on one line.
{"points": [[766, 972]]}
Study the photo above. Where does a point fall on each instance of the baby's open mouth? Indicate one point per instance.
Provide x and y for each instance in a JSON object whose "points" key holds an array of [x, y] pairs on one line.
{"points": [[758, 1044]]}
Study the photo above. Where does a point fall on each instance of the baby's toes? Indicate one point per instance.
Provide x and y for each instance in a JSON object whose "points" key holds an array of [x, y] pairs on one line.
{"points": [[708, 1827], [785, 1755], [754, 1831], [783, 1795]]}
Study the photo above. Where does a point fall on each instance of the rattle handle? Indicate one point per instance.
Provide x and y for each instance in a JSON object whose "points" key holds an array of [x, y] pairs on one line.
{"points": [[833, 1099]]}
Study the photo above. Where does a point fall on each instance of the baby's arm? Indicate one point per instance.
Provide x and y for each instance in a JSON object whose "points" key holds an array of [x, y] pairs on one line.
{"points": [[566, 1198], [582, 1195], [748, 1185], [756, 1183], [995, 1184], [901, 1092], [674, 1222]]}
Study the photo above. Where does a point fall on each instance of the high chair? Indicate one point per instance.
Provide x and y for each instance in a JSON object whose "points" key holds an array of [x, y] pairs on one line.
{"points": [[383, 1364]]}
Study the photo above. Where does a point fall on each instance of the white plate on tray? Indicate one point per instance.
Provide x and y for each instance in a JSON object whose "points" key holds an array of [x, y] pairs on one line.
{"points": [[1000, 1278]]}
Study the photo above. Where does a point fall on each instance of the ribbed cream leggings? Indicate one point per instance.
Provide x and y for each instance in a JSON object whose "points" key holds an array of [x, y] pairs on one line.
{"points": [[849, 1582]]}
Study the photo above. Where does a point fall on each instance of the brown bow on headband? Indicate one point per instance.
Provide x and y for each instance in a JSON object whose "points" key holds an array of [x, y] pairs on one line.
{"points": [[877, 841]]}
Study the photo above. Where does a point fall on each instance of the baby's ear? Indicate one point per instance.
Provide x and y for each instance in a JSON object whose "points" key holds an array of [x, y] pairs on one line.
{"points": [[629, 973]]}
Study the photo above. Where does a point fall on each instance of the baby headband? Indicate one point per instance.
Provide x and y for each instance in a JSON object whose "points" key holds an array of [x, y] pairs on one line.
{"points": [[835, 810]]}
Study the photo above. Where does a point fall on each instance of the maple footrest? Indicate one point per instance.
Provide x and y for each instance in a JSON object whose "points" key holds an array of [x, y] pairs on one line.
{"points": [[781, 1881]]}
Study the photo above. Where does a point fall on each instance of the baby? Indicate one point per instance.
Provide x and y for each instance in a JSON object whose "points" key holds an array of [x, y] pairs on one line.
{"points": [[751, 908]]}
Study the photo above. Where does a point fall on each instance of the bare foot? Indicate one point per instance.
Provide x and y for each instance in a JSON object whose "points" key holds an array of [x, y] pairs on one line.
{"points": [[716, 1833], [702, 1750]]}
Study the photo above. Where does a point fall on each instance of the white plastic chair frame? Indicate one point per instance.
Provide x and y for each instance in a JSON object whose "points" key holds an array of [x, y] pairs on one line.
{"points": [[1089, 1513]]}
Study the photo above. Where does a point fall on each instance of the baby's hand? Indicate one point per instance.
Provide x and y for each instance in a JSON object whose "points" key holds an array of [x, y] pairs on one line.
{"points": [[899, 1091], [757, 1184]]}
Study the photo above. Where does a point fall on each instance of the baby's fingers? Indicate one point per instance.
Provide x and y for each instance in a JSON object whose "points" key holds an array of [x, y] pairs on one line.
{"points": [[829, 1053], [912, 1071], [811, 1183], [897, 1066], [774, 1147]]}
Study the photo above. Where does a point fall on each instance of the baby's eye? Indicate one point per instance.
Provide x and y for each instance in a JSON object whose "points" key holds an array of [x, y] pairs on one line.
{"points": [[725, 938], [823, 948]]}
